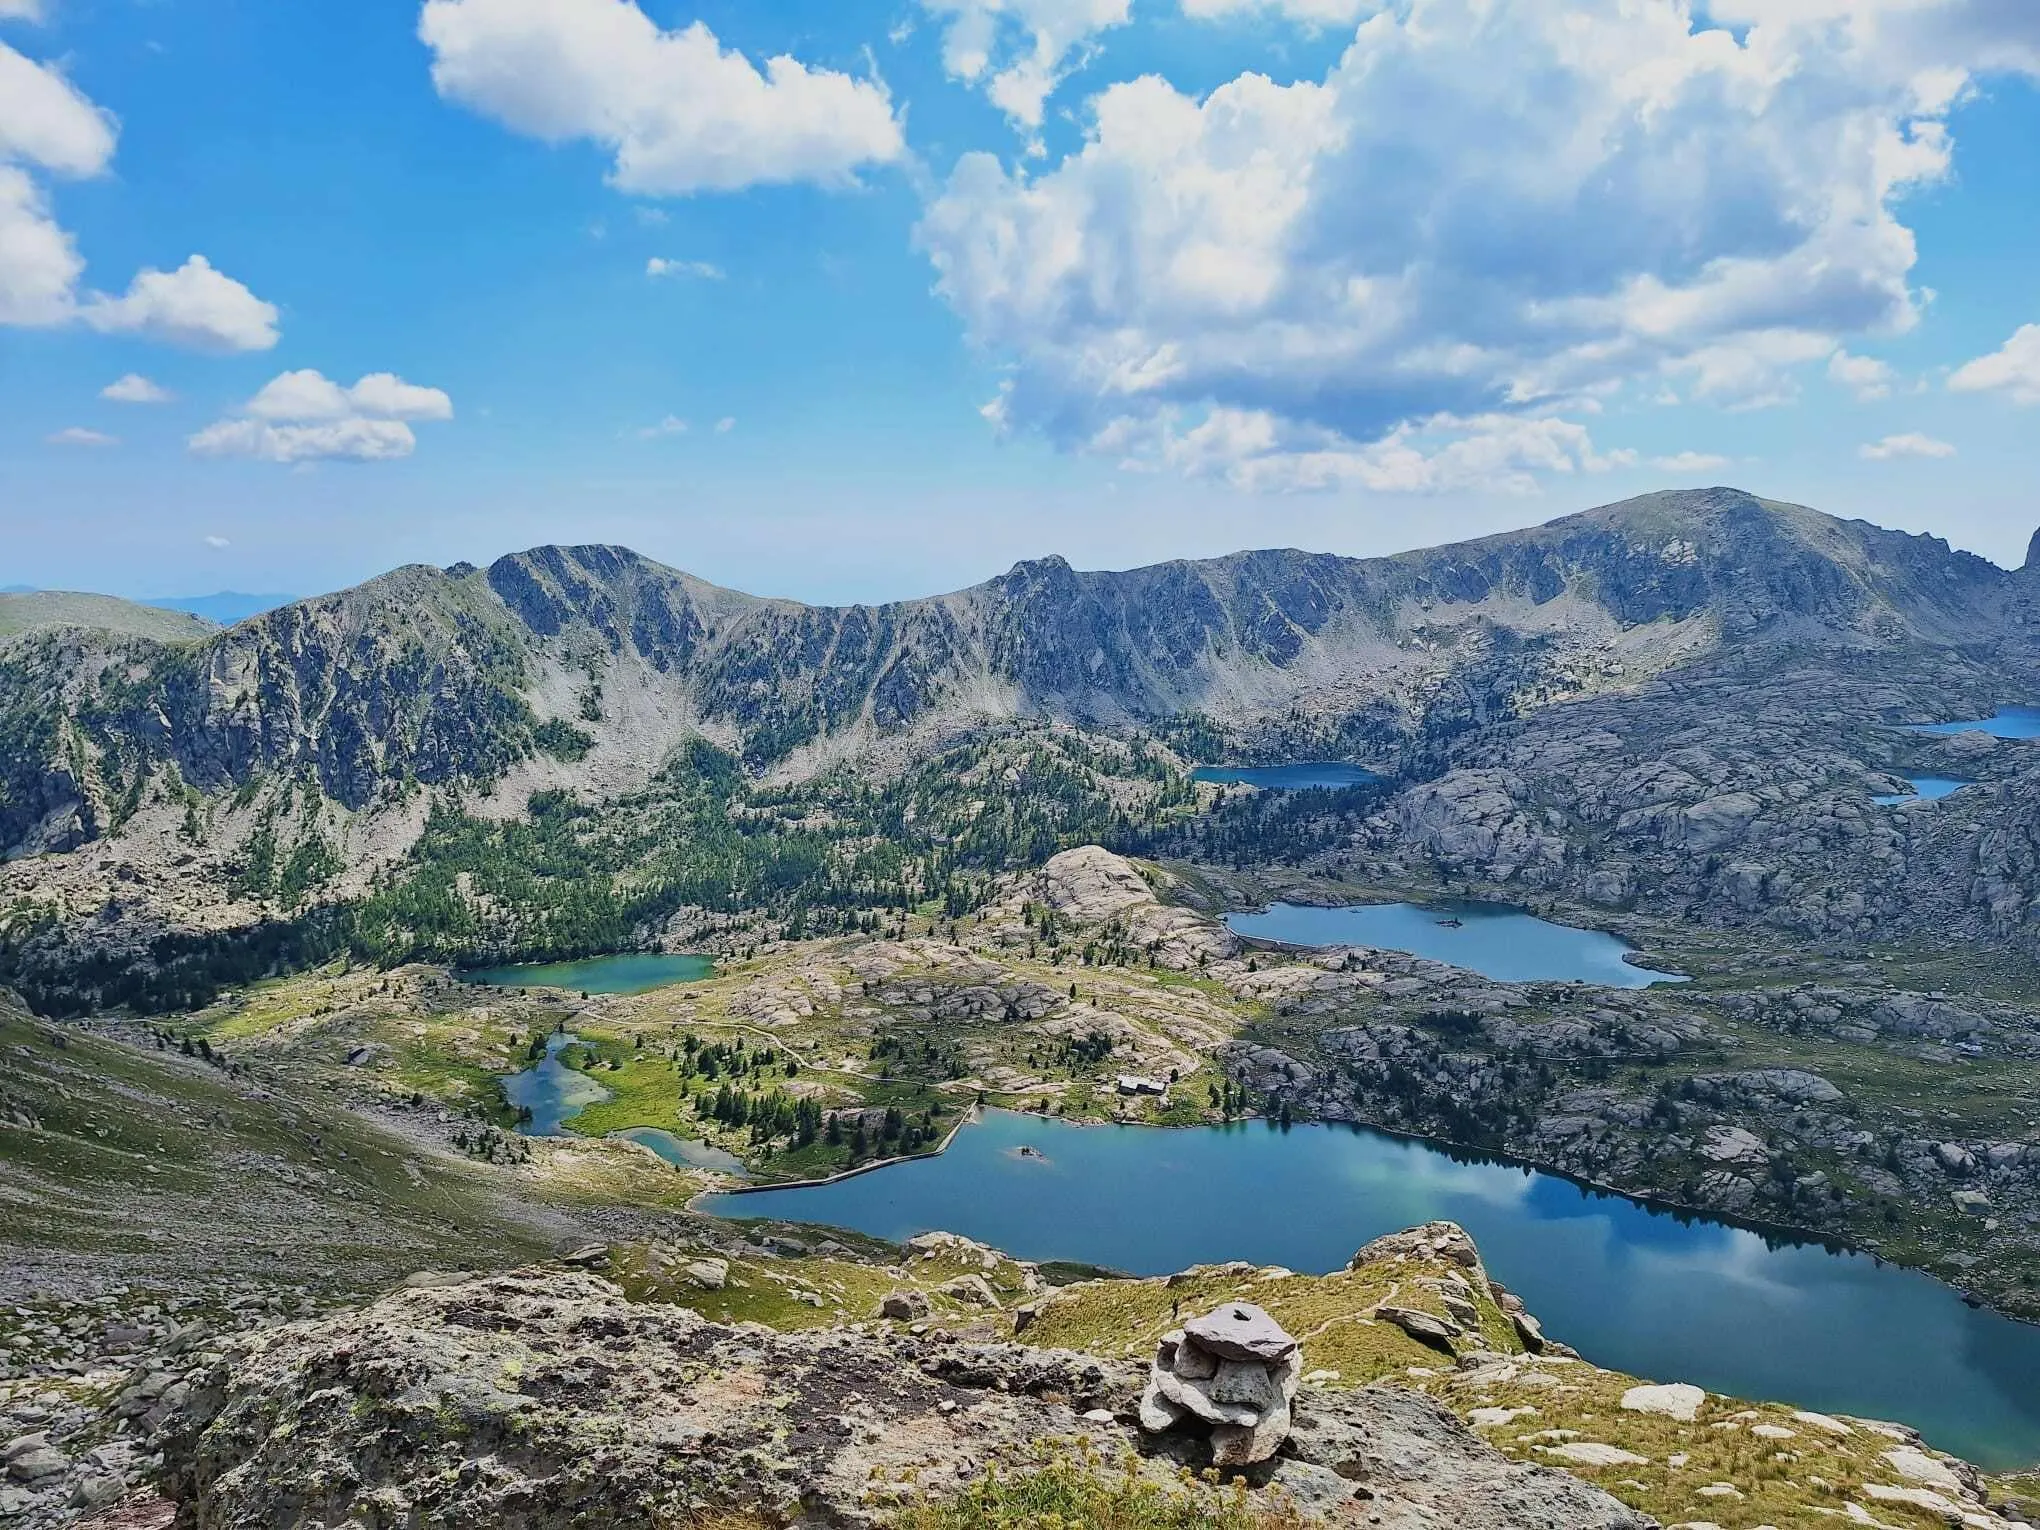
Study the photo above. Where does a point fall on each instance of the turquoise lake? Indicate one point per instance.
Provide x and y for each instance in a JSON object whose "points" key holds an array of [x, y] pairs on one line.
{"points": [[551, 1090], [1925, 789], [685, 1152], [631, 972], [1305, 775], [555, 1094], [2006, 722], [1499, 942], [1632, 1288]]}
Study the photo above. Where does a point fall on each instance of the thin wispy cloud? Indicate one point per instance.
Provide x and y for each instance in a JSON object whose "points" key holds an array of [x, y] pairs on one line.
{"points": [[79, 435], [658, 266]]}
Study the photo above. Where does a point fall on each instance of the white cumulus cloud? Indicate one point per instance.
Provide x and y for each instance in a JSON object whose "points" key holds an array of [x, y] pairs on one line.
{"points": [[1260, 451], [1485, 209], [194, 306], [46, 122], [1865, 376], [136, 389], [39, 262], [1911, 444], [679, 112], [1021, 50], [311, 395], [2013, 368], [304, 416]]}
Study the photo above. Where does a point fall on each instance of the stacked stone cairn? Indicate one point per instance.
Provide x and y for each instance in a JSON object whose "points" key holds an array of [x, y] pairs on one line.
{"points": [[1234, 1371]]}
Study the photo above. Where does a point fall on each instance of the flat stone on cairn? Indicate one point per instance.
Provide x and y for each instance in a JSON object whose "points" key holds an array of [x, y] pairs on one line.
{"points": [[1232, 1371]]}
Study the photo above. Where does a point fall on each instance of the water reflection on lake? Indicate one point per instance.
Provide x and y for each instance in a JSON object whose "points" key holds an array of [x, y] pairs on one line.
{"points": [[628, 972], [2006, 722], [1499, 942], [1634, 1289], [685, 1152], [552, 1091], [1304, 775], [1924, 789]]}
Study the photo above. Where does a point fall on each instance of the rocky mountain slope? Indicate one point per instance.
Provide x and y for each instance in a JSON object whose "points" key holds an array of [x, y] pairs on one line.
{"points": [[594, 1393], [601, 662]]}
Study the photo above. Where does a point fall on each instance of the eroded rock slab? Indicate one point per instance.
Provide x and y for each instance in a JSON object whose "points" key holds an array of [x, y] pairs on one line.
{"points": [[546, 1399]]}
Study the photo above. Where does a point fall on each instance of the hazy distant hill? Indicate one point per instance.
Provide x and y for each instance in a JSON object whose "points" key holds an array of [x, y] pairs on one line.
{"points": [[24, 610], [225, 608]]}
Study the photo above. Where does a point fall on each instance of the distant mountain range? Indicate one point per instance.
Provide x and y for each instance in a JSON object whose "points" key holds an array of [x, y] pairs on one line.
{"points": [[596, 664]]}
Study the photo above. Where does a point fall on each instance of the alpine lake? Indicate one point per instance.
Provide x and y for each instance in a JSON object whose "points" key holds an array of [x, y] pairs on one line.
{"points": [[1636, 1288]]}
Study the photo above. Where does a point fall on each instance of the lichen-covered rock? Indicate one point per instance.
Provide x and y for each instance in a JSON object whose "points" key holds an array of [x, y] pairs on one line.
{"points": [[545, 1399]]}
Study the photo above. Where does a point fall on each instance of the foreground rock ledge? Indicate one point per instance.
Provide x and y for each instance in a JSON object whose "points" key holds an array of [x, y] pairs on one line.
{"points": [[546, 1399]]}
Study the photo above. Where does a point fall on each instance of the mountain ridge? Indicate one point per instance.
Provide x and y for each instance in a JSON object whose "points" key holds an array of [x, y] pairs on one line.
{"points": [[595, 654]]}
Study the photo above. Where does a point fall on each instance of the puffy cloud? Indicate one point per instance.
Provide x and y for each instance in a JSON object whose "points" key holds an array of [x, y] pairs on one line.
{"points": [[2013, 368], [679, 112], [1911, 444], [311, 395], [1486, 208], [304, 416], [78, 435], [1021, 50], [39, 263], [1864, 376], [47, 122], [44, 121], [357, 440], [135, 389], [707, 271], [194, 305], [1260, 451], [1918, 38]]}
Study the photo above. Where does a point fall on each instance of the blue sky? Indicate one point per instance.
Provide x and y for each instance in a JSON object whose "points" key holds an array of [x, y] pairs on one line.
{"points": [[974, 280]]}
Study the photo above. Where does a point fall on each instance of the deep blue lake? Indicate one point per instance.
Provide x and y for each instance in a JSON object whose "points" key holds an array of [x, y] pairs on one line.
{"points": [[1305, 775], [630, 972], [2006, 722], [1925, 789], [1634, 1289], [1499, 942]]}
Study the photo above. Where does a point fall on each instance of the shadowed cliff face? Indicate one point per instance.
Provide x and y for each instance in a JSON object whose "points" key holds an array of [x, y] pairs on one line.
{"points": [[443, 676]]}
